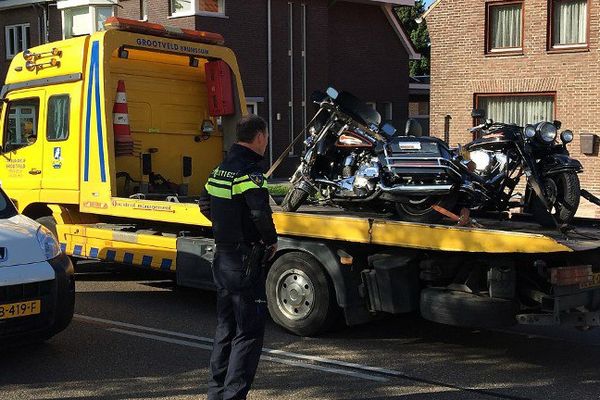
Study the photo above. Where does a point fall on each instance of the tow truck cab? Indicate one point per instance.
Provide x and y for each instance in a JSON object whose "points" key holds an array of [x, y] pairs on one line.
{"points": [[95, 121]]}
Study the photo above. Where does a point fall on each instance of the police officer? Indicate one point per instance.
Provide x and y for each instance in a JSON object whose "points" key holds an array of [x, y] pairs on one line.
{"points": [[242, 223]]}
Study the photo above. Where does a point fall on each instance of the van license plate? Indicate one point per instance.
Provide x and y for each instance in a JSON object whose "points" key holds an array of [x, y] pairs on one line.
{"points": [[22, 309]]}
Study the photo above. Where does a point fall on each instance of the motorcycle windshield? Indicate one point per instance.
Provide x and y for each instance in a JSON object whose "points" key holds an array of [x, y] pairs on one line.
{"points": [[358, 109]]}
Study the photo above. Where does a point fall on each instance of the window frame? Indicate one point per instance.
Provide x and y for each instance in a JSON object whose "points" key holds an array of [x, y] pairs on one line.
{"points": [[7, 120], [68, 96], [566, 48], [23, 28], [477, 96], [488, 33]]}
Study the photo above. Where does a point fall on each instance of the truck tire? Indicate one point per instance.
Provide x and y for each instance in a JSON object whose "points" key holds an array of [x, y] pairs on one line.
{"points": [[300, 296], [467, 310], [293, 199]]}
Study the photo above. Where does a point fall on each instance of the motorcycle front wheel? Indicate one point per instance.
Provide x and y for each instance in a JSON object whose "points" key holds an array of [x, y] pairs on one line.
{"points": [[420, 209], [293, 199], [564, 192]]}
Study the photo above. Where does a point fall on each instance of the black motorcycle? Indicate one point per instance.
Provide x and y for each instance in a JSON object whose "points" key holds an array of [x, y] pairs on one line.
{"points": [[352, 160], [502, 154], [355, 161]]}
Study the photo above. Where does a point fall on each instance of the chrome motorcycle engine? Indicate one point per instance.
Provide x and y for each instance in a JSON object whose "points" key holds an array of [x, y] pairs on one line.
{"points": [[487, 162], [366, 177]]}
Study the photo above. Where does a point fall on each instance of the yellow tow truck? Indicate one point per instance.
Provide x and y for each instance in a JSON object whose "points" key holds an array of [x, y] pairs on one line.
{"points": [[108, 140]]}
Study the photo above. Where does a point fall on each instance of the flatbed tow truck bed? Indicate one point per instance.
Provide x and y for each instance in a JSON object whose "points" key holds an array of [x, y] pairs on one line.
{"points": [[518, 235]]}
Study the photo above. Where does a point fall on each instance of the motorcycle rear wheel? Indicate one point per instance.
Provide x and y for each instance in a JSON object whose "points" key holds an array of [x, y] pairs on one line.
{"points": [[293, 199], [421, 209], [565, 193]]}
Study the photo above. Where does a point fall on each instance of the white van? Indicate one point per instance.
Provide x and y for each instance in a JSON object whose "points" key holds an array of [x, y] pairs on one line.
{"points": [[37, 288]]}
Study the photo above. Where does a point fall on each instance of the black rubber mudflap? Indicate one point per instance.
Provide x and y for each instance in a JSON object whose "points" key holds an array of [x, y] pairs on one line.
{"points": [[464, 309], [194, 262]]}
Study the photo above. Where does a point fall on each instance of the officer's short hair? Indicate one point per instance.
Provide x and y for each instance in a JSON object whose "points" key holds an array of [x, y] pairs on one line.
{"points": [[248, 127]]}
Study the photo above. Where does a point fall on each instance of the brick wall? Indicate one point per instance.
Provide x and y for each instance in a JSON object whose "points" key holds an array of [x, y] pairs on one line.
{"points": [[460, 69], [367, 57]]}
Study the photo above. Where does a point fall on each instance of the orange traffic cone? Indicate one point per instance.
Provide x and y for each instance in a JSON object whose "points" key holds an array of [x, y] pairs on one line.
{"points": [[123, 138]]}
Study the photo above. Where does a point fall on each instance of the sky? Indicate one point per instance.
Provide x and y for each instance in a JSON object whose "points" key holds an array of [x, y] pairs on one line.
{"points": [[428, 2]]}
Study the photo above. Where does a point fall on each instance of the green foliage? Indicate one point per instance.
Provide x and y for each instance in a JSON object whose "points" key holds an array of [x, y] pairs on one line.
{"points": [[418, 35], [278, 189]]}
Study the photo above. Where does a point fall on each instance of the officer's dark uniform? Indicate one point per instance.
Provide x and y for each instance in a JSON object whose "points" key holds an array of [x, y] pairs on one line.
{"points": [[241, 216]]}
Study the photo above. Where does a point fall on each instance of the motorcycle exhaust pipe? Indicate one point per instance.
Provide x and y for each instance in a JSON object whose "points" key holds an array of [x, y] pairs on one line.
{"points": [[417, 189]]}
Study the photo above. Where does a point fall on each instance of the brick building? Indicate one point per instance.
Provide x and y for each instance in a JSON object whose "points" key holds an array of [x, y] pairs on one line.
{"points": [[285, 49], [521, 61]]}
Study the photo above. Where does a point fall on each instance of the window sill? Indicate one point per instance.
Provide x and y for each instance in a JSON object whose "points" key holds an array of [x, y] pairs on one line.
{"points": [[505, 53], [198, 13], [569, 49]]}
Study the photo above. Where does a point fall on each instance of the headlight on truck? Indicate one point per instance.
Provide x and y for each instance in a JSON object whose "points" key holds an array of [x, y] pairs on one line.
{"points": [[48, 243]]}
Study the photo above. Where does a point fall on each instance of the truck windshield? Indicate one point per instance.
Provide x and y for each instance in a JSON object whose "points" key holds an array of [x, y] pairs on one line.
{"points": [[7, 209]]}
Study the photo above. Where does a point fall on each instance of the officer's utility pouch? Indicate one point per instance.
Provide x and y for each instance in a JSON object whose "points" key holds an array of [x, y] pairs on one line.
{"points": [[254, 259]]}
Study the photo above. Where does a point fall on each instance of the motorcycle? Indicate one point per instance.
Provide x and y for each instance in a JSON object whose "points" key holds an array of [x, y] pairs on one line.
{"points": [[354, 161], [503, 153]]}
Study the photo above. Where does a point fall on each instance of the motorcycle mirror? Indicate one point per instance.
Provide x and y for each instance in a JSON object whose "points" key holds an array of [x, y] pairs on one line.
{"points": [[389, 129], [317, 96], [478, 113], [489, 121], [557, 124], [331, 92]]}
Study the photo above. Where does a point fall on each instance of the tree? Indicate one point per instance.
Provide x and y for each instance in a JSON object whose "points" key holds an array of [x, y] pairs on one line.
{"points": [[418, 35]]}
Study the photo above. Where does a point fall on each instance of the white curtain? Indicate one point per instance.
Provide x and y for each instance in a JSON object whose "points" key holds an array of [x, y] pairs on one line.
{"points": [[570, 22], [506, 26], [520, 110]]}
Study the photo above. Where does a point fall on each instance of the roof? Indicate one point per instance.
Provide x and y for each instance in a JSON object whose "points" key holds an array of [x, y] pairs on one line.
{"points": [[431, 7], [6, 4], [404, 38]]}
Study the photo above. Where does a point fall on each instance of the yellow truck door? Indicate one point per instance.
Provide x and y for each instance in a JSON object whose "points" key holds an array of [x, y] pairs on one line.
{"points": [[22, 142], [60, 161]]}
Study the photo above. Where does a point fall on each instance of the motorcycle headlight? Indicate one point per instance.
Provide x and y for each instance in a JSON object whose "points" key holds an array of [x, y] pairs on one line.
{"points": [[529, 131], [547, 132], [48, 243], [567, 136]]}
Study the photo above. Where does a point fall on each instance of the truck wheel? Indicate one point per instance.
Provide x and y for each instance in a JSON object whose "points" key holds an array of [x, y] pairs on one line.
{"points": [[299, 294], [464, 309]]}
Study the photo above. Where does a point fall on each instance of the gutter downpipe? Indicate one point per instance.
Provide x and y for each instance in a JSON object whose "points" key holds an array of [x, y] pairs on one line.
{"points": [[270, 79]]}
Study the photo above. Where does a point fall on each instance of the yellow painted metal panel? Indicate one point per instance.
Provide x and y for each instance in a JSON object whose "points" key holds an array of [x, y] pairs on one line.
{"points": [[322, 226], [450, 238]]}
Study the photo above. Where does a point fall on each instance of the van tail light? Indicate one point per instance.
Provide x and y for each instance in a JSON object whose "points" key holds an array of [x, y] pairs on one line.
{"points": [[148, 28], [567, 276]]}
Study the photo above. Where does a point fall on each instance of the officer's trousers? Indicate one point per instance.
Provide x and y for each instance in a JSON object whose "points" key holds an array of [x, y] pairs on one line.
{"points": [[241, 312]]}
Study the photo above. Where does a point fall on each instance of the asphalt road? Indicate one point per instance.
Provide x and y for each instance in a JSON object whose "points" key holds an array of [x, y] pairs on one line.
{"points": [[137, 336]]}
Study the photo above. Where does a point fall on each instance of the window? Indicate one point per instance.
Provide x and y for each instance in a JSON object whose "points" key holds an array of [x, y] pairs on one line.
{"points": [[77, 21], [569, 23], [102, 13], [58, 118], [144, 10], [182, 7], [387, 111], [212, 6], [22, 120], [252, 107], [519, 109], [504, 25], [17, 39]]}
